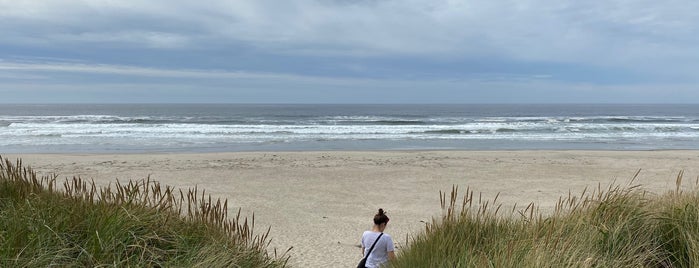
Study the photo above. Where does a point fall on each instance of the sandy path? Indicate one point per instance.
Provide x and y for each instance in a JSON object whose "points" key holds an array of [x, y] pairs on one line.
{"points": [[321, 202]]}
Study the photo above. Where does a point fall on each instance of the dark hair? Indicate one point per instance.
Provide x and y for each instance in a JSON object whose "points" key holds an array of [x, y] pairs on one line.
{"points": [[380, 217]]}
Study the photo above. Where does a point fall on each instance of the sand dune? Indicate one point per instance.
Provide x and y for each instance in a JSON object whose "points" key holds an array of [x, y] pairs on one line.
{"points": [[321, 202]]}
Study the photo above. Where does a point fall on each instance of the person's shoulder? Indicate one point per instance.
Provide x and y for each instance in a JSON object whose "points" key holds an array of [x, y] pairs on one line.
{"points": [[387, 236]]}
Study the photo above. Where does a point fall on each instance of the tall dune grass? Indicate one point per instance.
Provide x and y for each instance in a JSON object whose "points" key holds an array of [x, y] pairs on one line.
{"points": [[608, 227], [136, 224]]}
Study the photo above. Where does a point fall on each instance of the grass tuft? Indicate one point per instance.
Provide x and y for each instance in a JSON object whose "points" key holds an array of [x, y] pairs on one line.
{"points": [[137, 223], [608, 227]]}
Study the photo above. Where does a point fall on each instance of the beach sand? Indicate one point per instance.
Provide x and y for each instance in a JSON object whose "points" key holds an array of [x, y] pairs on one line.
{"points": [[321, 202]]}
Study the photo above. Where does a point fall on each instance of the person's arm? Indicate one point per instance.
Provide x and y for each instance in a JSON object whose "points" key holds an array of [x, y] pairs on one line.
{"points": [[390, 250], [362, 251], [391, 255]]}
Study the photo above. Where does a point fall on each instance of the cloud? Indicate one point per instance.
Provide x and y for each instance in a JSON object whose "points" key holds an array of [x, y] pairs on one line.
{"points": [[27, 68], [84, 82], [525, 29], [44, 68], [371, 43], [143, 38]]}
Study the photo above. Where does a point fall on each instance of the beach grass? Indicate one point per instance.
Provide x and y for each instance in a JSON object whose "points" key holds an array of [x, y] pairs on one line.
{"points": [[611, 226], [140, 223]]}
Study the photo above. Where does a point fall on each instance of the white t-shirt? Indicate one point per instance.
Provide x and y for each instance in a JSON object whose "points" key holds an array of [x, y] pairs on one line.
{"points": [[380, 253]]}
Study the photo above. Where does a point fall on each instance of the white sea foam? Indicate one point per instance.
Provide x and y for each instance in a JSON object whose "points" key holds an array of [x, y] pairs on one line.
{"points": [[407, 126]]}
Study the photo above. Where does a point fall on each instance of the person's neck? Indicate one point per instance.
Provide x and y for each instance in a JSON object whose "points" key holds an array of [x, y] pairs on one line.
{"points": [[378, 228]]}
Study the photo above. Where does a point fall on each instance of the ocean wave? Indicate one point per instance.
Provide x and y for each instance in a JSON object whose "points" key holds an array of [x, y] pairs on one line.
{"points": [[342, 120], [347, 129], [637, 119], [95, 127], [51, 135], [587, 119], [360, 120], [506, 130], [446, 131], [110, 119], [221, 129], [399, 122]]}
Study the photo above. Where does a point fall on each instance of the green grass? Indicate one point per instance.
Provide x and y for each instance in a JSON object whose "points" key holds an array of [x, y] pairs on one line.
{"points": [[137, 224], [611, 227]]}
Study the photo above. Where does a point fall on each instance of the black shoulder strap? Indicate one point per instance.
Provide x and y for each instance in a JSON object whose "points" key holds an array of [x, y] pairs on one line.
{"points": [[372, 246]]}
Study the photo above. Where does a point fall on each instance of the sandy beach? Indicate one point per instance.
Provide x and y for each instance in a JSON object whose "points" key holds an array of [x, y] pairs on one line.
{"points": [[319, 203]]}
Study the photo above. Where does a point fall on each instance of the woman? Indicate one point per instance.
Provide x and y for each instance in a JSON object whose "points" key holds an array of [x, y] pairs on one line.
{"points": [[384, 249]]}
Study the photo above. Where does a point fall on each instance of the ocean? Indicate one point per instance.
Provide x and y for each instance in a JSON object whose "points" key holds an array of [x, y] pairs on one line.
{"points": [[142, 128]]}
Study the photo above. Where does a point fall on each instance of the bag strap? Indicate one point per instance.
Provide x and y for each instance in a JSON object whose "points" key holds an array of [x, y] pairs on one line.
{"points": [[372, 246]]}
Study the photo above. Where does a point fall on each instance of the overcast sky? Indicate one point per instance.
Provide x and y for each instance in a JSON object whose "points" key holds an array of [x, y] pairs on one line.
{"points": [[349, 51]]}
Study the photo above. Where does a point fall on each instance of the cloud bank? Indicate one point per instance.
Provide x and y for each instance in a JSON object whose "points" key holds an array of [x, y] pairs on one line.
{"points": [[525, 44]]}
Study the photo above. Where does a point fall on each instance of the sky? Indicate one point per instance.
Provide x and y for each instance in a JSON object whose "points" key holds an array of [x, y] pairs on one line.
{"points": [[349, 51]]}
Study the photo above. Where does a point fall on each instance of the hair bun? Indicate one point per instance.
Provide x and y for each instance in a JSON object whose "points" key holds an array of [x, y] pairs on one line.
{"points": [[380, 218]]}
